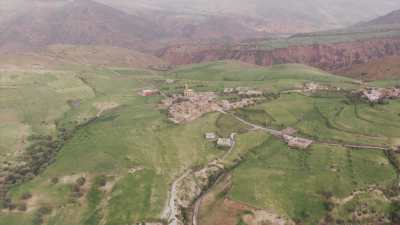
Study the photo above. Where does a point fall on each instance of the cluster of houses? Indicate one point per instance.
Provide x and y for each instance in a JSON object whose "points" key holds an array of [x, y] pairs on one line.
{"points": [[191, 105], [375, 95], [313, 87], [243, 91], [227, 105]]}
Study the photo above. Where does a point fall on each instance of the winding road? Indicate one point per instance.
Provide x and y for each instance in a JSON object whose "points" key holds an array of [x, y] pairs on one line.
{"points": [[169, 211]]}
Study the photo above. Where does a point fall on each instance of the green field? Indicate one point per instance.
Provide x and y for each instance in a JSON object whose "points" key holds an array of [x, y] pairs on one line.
{"points": [[126, 141], [294, 182]]}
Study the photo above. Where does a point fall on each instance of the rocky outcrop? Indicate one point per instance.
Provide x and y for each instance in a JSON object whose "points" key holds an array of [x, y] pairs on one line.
{"points": [[331, 57]]}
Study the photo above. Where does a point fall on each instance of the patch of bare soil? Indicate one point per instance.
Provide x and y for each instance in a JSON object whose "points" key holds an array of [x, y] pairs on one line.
{"points": [[217, 209], [32, 203], [70, 179], [263, 217], [104, 106]]}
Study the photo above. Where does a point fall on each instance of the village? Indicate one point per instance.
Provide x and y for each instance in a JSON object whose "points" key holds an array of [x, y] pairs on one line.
{"points": [[190, 105]]}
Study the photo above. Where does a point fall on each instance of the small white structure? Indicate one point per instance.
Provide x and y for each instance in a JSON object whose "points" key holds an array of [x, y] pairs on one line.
{"points": [[188, 92], [211, 136], [169, 81], [229, 90]]}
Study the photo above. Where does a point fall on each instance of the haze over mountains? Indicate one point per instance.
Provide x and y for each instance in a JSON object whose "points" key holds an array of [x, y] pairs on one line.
{"points": [[317, 14], [181, 33], [144, 24]]}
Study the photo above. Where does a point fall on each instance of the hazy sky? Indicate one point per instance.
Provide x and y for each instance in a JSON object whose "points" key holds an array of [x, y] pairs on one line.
{"points": [[343, 12]]}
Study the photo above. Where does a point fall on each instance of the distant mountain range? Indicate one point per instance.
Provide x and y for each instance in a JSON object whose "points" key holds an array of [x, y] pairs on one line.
{"points": [[149, 24], [86, 22]]}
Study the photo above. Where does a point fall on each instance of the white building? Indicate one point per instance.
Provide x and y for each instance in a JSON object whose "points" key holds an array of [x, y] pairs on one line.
{"points": [[225, 142], [211, 136]]}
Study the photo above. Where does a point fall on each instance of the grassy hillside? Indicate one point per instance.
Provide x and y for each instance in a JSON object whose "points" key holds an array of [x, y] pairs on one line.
{"points": [[122, 155], [275, 78], [31, 102], [56, 56]]}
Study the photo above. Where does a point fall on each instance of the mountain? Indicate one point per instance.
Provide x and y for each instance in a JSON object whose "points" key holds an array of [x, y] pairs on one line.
{"points": [[392, 18], [86, 22], [234, 19], [81, 22], [312, 14]]}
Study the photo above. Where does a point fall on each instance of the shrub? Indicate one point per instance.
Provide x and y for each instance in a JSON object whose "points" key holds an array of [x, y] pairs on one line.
{"points": [[395, 213], [22, 207], [44, 210], [81, 181], [55, 180], [26, 196]]}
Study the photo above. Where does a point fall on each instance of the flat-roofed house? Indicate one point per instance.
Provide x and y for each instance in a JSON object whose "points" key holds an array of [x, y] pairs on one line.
{"points": [[297, 142], [211, 136], [225, 142]]}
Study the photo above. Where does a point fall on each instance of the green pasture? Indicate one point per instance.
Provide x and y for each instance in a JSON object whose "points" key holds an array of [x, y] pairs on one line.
{"points": [[294, 182]]}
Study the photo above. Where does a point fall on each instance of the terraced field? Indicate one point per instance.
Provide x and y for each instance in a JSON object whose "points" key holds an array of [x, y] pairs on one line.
{"points": [[119, 153]]}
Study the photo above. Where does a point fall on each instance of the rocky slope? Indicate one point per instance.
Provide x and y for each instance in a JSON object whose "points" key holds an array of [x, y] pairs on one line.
{"points": [[81, 22], [332, 57]]}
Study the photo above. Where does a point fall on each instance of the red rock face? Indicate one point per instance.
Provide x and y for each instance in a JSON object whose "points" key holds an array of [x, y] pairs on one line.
{"points": [[331, 57]]}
